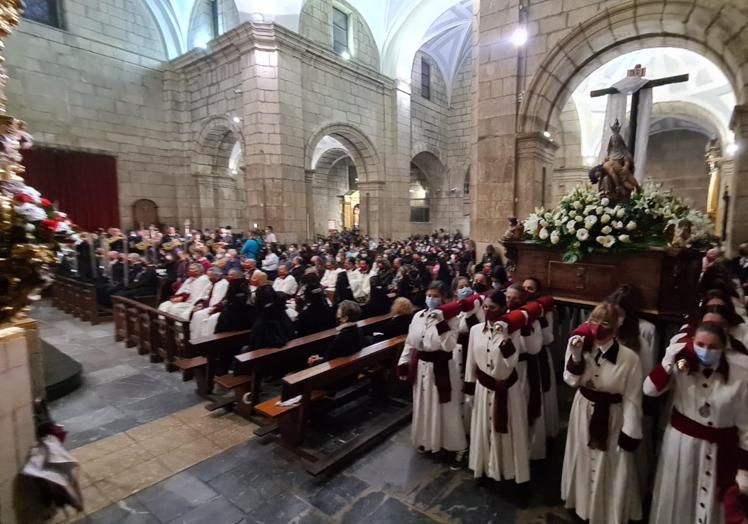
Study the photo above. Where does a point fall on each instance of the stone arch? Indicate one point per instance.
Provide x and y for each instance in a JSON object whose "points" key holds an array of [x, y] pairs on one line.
{"points": [[629, 26], [699, 118], [356, 143], [167, 21], [428, 173], [220, 191]]}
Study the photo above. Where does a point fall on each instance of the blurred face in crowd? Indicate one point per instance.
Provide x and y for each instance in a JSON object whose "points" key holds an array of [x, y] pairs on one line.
{"points": [[193, 272], [171, 231], [282, 272], [531, 287], [363, 266], [514, 298]]}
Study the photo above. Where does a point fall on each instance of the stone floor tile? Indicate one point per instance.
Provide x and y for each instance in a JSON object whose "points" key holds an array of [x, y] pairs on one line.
{"points": [[218, 510], [163, 443], [163, 402], [227, 438], [362, 509], [175, 496], [109, 374], [116, 462], [279, 510], [133, 480], [392, 510], [128, 511], [188, 454], [102, 447], [227, 460], [166, 425]]}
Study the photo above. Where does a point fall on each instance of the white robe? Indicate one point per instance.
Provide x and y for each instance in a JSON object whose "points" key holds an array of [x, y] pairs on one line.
{"points": [[195, 288], [602, 486], [204, 321], [286, 285], [649, 347], [435, 425], [461, 350], [532, 344], [330, 278], [497, 455], [685, 489], [550, 397]]}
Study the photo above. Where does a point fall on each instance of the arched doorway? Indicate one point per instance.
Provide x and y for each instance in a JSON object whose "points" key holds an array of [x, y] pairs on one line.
{"points": [[430, 202], [344, 182]]}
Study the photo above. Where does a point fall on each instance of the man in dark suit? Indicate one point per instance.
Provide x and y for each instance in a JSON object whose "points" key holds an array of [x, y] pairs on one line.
{"points": [[349, 339], [142, 280]]}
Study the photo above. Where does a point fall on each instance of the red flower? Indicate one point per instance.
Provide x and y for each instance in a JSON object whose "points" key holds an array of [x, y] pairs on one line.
{"points": [[59, 218], [45, 202], [23, 197], [50, 224]]}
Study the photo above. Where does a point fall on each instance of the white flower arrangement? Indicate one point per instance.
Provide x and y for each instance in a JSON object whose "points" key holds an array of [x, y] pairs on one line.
{"points": [[584, 222]]}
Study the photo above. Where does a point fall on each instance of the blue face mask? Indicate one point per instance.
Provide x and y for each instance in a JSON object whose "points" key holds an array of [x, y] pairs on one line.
{"points": [[433, 302], [708, 357], [464, 293]]}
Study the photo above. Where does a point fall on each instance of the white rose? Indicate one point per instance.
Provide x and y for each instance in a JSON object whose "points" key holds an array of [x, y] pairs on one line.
{"points": [[605, 201], [555, 237], [599, 210], [576, 244], [605, 218], [624, 239], [631, 226], [547, 216], [571, 226], [618, 224], [606, 240], [590, 221], [30, 212], [583, 234], [572, 213], [543, 234], [577, 205], [606, 230], [579, 218], [621, 212]]}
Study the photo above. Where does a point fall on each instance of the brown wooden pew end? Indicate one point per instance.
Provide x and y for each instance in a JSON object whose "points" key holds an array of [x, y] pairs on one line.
{"points": [[196, 367]]}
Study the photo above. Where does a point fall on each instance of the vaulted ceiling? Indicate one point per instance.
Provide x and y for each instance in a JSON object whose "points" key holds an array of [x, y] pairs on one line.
{"points": [[400, 27]]}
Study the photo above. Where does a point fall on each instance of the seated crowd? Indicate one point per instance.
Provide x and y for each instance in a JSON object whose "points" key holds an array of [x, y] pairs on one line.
{"points": [[478, 354]]}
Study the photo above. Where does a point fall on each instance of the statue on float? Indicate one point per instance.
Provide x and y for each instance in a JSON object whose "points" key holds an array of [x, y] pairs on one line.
{"points": [[615, 176]]}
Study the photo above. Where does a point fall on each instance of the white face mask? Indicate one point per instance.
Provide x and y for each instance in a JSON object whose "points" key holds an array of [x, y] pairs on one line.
{"points": [[708, 357]]}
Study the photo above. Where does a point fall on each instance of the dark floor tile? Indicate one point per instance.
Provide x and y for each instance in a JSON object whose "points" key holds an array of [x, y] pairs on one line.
{"points": [[279, 510], [79, 438], [217, 511], [392, 510], [175, 496], [312, 516], [131, 390], [469, 501], [128, 511], [330, 495], [161, 404], [227, 460], [363, 508], [77, 403]]}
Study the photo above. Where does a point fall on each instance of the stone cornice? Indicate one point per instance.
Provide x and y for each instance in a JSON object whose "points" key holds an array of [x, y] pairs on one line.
{"points": [[270, 37]]}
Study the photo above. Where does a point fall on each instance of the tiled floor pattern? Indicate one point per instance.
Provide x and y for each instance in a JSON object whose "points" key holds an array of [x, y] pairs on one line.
{"points": [[121, 389], [115, 467]]}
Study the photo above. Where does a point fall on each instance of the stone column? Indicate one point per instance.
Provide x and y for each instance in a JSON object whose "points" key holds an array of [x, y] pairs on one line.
{"points": [[373, 207], [737, 220], [309, 192], [495, 110], [273, 129], [535, 154], [17, 432]]}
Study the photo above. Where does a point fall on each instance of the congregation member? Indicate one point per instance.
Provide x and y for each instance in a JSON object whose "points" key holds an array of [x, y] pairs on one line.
{"points": [[330, 277], [314, 313], [285, 283], [349, 340], [705, 447], [270, 263], [235, 312], [143, 279], [499, 430], [189, 293], [427, 363], [207, 310], [402, 314], [599, 479]]}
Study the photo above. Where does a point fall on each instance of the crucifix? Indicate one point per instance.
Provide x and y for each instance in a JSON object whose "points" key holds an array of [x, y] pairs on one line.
{"points": [[639, 72]]}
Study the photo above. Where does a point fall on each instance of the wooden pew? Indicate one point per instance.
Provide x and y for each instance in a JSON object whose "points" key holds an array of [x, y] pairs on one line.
{"points": [[200, 356], [252, 367], [79, 299], [311, 384]]}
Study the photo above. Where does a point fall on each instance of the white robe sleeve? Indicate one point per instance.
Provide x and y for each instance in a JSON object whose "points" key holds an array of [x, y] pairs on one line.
{"points": [[471, 366], [632, 400], [573, 370], [742, 424]]}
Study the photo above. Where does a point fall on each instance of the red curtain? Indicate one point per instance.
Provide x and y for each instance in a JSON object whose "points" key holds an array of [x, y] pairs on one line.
{"points": [[83, 185]]}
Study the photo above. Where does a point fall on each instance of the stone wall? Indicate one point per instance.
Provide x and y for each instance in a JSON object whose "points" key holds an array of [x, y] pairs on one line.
{"points": [[98, 87], [676, 160]]}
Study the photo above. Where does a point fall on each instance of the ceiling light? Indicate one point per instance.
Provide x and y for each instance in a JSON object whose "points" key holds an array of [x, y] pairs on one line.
{"points": [[236, 119], [345, 55], [519, 37], [547, 134], [731, 148]]}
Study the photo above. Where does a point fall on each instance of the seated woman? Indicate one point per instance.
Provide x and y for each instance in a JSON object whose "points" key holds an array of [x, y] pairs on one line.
{"points": [[349, 339], [272, 328], [403, 310], [314, 313], [379, 302]]}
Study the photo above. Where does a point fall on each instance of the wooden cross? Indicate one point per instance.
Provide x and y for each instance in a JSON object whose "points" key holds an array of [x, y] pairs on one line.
{"points": [[640, 72]]}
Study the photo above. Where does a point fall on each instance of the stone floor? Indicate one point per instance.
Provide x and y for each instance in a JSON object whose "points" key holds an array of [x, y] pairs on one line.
{"points": [[150, 453]]}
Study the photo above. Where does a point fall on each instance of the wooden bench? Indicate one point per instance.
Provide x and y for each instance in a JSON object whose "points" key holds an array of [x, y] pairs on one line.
{"points": [[153, 332], [78, 298], [210, 349], [311, 384], [252, 367]]}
